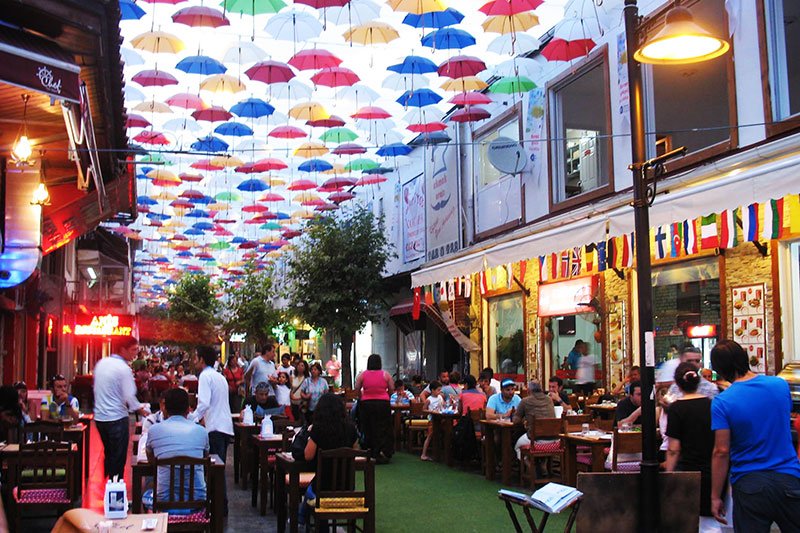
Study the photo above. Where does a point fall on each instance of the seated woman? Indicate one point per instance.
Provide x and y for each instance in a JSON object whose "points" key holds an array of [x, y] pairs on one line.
{"points": [[262, 403]]}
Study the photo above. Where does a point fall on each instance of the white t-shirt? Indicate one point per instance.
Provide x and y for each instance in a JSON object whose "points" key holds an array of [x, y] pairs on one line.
{"points": [[585, 373]]}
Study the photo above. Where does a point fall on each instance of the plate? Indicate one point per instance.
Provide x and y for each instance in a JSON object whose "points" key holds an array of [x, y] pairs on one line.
{"points": [[616, 356]]}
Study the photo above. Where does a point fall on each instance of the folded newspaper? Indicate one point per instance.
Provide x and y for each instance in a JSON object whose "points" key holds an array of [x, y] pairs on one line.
{"points": [[552, 498]]}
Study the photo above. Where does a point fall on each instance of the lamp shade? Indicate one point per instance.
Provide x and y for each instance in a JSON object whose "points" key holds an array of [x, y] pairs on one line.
{"points": [[681, 41]]}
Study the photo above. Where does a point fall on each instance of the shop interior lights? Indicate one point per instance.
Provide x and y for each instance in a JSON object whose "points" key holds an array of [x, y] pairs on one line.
{"points": [[22, 150]]}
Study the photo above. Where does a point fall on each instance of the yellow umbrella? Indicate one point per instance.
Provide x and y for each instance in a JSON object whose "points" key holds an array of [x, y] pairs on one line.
{"points": [[218, 206], [165, 196], [274, 254], [418, 7], [173, 224], [158, 42], [371, 33], [337, 170], [311, 149], [266, 239], [180, 211], [152, 107], [222, 83], [306, 197], [228, 161], [303, 214], [164, 178], [467, 83], [275, 181], [503, 24], [308, 111]]}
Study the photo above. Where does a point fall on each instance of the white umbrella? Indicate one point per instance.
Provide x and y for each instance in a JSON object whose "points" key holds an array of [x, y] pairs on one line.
{"points": [[518, 66], [572, 28], [131, 57], [243, 52], [355, 13], [293, 25], [292, 90], [182, 124], [132, 94], [405, 82], [358, 92], [272, 120], [424, 115], [523, 43], [608, 16]]}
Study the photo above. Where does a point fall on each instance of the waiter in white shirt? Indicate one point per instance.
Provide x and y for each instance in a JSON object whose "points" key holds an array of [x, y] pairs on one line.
{"points": [[114, 399], [212, 405]]}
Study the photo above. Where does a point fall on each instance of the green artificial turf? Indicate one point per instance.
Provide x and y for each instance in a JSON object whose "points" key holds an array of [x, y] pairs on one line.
{"points": [[415, 495]]}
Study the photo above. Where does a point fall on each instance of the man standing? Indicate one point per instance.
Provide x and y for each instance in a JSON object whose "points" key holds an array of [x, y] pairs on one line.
{"points": [[575, 354], [334, 369], [752, 436], [60, 404], [114, 398], [261, 369], [692, 355]]}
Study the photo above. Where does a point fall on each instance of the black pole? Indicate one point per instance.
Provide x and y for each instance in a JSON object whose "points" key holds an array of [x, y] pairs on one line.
{"points": [[649, 519]]}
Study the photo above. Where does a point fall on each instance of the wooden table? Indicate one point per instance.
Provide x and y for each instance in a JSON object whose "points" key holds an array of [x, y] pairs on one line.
{"points": [[527, 506], [78, 434], [131, 524], [264, 447], [442, 436], [215, 487], [506, 429], [398, 410], [285, 465], [597, 445], [87, 419], [606, 411], [242, 451]]}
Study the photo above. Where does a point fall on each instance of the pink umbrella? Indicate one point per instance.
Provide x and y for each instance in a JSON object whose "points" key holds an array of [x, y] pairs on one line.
{"points": [[192, 194], [470, 98], [270, 72], [289, 233], [335, 77], [428, 127], [336, 184], [255, 208], [154, 78], [151, 137], [326, 207], [509, 7], [460, 66], [247, 168], [561, 50], [333, 121], [200, 16], [271, 197], [314, 60], [371, 113], [191, 178], [205, 164], [349, 149], [181, 204], [371, 179], [322, 4], [339, 197], [269, 163], [186, 101], [136, 121], [212, 114], [301, 185], [470, 114], [287, 132]]}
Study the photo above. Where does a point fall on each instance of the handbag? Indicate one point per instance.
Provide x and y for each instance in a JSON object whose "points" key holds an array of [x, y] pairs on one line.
{"points": [[298, 446]]}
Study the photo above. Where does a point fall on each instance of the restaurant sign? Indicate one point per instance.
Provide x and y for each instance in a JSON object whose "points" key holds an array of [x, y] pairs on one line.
{"points": [[104, 326], [567, 297]]}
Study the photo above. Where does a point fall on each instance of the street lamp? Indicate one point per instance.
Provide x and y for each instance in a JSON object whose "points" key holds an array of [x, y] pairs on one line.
{"points": [[680, 41]]}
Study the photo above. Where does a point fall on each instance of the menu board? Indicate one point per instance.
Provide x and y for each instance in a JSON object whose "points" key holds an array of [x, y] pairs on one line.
{"points": [[750, 324], [617, 348]]}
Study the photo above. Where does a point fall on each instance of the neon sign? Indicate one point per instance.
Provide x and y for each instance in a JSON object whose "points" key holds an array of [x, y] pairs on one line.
{"points": [[106, 326], [702, 332]]}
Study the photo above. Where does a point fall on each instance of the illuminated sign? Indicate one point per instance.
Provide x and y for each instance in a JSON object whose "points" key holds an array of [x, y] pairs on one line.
{"points": [[238, 337], [106, 326], [567, 297], [701, 332]]}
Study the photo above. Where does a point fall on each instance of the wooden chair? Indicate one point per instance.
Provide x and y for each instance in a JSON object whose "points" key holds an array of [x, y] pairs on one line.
{"points": [[52, 430], [573, 402], [43, 478], [350, 395], [337, 497], [477, 416], [629, 442], [606, 424], [542, 429], [180, 479], [416, 427], [575, 422]]}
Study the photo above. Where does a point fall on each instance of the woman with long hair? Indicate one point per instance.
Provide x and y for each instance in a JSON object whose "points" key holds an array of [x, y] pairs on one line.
{"points": [[295, 382], [234, 375], [374, 386], [312, 390]]}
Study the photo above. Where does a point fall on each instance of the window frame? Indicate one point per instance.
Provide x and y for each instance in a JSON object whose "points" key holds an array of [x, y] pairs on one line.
{"points": [[599, 56], [485, 344]]}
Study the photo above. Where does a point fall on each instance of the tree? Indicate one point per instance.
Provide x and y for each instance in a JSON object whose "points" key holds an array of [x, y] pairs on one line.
{"points": [[249, 305], [335, 276], [193, 307]]}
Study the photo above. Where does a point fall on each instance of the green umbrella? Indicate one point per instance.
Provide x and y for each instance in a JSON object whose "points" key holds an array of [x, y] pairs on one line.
{"points": [[360, 164], [270, 225], [338, 135], [154, 158], [221, 245], [253, 7], [227, 197], [512, 84]]}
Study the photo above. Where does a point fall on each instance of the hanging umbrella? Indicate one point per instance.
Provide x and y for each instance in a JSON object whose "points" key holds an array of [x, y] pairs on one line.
{"points": [[371, 113], [271, 226], [509, 43], [419, 98], [338, 169], [154, 78], [394, 149], [371, 33], [295, 26], [200, 16], [417, 6], [307, 198], [560, 50], [132, 94], [253, 185], [311, 149], [470, 114], [184, 254], [460, 66], [448, 39], [338, 135], [335, 77], [336, 184], [136, 121], [211, 114], [219, 245], [509, 7], [252, 7], [405, 82], [194, 231], [361, 163], [434, 19], [354, 13], [371, 179], [314, 165], [227, 196], [332, 121], [349, 149], [518, 66], [436, 137], [130, 11], [268, 164], [145, 200], [427, 127], [205, 164], [314, 59], [357, 92], [467, 83], [512, 84], [252, 108], [181, 204], [414, 65], [201, 65], [503, 24], [271, 197], [293, 90], [287, 132], [226, 161], [470, 98], [255, 208], [289, 233], [322, 4], [163, 178], [233, 129], [222, 83], [131, 57], [157, 42], [190, 178], [186, 101], [183, 124], [164, 196], [151, 137], [270, 72], [308, 111], [340, 197], [246, 168], [378, 170], [209, 143], [204, 226], [243, 52]]}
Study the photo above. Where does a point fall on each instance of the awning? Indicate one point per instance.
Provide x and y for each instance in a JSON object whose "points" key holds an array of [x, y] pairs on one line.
{"points": [[401, 315], [38, 64]]}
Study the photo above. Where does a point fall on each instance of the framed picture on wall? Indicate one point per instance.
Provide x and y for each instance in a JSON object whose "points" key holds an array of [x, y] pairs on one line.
{"points": [[566, 326], [749, 323]]}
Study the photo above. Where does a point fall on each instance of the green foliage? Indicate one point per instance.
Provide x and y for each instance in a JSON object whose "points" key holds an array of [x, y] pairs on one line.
{"points": [[249, 305], [193, 300]]}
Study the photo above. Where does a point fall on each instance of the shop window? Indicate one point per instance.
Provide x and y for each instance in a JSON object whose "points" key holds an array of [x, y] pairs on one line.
{"points": [[691, 105], [569, 333], [580, 152], [782, 19], [792, 314], [506, 335]]}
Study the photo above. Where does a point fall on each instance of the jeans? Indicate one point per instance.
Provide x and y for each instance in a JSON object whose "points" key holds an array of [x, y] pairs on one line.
{"points": [[115, 445], [761, 498], [218, 444]]}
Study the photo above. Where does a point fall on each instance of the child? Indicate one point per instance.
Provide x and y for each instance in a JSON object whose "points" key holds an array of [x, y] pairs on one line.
{"points": [[434, 402], [283, 392], [401, 395], [286, 367], [157, 415]]}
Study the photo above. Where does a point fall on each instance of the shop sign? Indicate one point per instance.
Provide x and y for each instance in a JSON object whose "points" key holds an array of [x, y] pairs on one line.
{"points": [[238, 337], [441, 195], [706, 331], [413, 219], [567, 297], [106, 326]]}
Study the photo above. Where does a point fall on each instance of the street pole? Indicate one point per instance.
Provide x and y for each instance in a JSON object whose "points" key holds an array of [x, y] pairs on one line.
{"points": [[649, 518]]}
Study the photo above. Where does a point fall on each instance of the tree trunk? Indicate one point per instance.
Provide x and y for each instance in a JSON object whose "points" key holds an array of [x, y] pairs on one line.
{"points": [[347, 348]]}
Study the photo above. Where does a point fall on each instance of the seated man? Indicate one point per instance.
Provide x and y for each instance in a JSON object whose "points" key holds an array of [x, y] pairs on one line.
{"points": [[262, 403], [502, 404], [59, 404], [555, 389], [400, 394], [539, 405], [176, 436], [629, 410], [472, 398]]}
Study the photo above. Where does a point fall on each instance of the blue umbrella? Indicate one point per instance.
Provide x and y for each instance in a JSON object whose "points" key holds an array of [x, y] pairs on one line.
{"points": [[434, 19], [204, 200], [252, 108], [210, 143], [394, 149], [203, 225], [378, 170], [448, 38], [129, 10], [253, 185], [419, 98], [185, 253], [145, 200], [207, 259], [234, 129], [282, 216], [158, 216], [198, 213], [201, 65], [193, 231], [434, 137], [315, 165], [238, 240], [414, 65]]}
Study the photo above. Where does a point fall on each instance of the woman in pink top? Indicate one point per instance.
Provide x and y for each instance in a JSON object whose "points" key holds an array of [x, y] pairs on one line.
{"points": [[374, 386]]}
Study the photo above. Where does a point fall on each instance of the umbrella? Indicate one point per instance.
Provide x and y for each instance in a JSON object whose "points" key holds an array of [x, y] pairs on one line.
{"points": [[209, 143], [448, 39], [311, 149], [436, 137], [158, 216], [371, 179], [163, 178], [201, 65], [152, 107], [332, 121], [186, 101], [219, 245], [378, 170], [184, 254], [255, 208], [211, 114], [145, 200], [357, 91], [252, 7], [227, 196], [136, 121], [181, 204], [467, 83], [371, 33], [471, 98], [289, 233], [293, 25], [470, 114], [314, 59], [246, 168], [394, 149], [204, 226], [154, 78], [503, 24], [518, 66], [151, 137], [417, 6], [561, 50], [190, 178], [226, 161], [271, 197], [336, 183], [253, 185], [131, 57], [194, 231], [133, 94], [509, 7], [508, 43], [354, 13], [349, 149], [272, 226], [338, 135], [205, 164], [270, 72], [339, 197], [308, 198], [335, 77], [233, 129], [322, 4], [512, 84], [361, 163], [427, 127], [195, 16], [164, 196], [243, 52], [405, 82], [371, 113], [157, 42], [293, 90], [414, 65], [419, 98], [252, 108], [222, 83], [460, 66], [314, 165], [130, 11], [434, 19], [308, 111], [287, 132], [267, 164]]}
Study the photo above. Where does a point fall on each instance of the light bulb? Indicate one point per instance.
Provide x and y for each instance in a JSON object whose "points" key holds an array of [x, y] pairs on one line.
{"points": [[22, 150], [41, 196]]}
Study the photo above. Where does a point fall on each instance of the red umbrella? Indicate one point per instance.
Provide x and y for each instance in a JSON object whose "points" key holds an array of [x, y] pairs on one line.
{"points": [[349, 149], [248, 245], [192, 194], [181, 204], [561, 50], [287, 132], [271, 197], [335, 77], [154, 78], [200, 16], [247, 168], [461, 66], [270, 72], [301, 185], [151, 137], [333, 121], [142, 208], [322, 4], [136, 121], [255, 208], [205, 164], [313, 201], [212, 114], [371, 179], [269, 163], [371, 113], [470, 98], [314, 60], [289, 233], [509, 7], [470, 114], [223, 233], [190, 178], [336, 184], [341, 196], [186, 101], [324, 207], [428, 127]]}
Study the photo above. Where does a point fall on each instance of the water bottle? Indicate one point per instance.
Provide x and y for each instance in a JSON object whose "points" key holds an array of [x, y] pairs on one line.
{"points": [[266, 426], [247, 416]]}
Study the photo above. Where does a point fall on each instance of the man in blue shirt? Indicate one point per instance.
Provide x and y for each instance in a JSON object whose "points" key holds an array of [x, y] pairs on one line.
{"points": [[501, 404], [575, 354], [752, 436], [261, 369]]}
